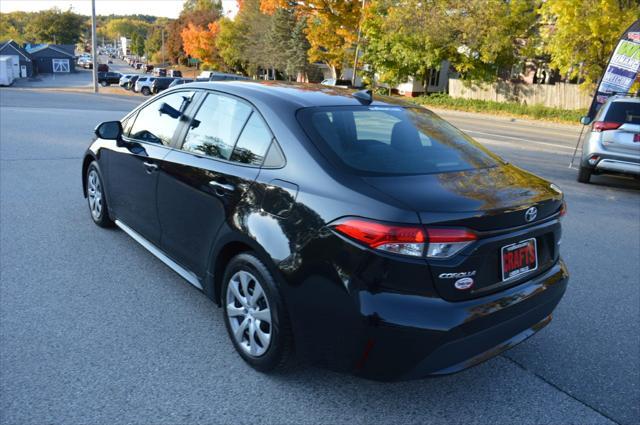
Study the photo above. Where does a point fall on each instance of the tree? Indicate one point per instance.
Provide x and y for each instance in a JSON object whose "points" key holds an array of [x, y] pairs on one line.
{"points": [[581, 34], [126, 27], [55, 26], [478, 37], [332, 31], [199, 42]]}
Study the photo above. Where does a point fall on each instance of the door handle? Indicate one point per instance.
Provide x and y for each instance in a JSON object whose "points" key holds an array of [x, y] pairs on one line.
{"points": [[150, 166], [221, 186]]}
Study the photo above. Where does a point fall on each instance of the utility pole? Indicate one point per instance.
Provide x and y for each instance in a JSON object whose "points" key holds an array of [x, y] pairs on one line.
{"points": [[355, 60], [162, 46], [94, 46]]}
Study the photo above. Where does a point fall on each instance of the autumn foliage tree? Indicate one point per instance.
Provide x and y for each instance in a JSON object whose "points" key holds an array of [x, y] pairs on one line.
{"points": [[200, 42]]}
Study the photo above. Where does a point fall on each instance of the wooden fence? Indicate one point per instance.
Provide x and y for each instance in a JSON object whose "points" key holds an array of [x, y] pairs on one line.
{"points": [[561, 95]]}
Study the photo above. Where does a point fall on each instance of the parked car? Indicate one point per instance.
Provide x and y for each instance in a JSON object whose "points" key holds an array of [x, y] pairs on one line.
{"points": [[103, 67], [131, 84], [220, 76], [174, 73], [613, 145], [179, 81], [124, 79], [139, 65], [161, 83], [143, 85], [108, 78], [87, 64], [336, 83], [160, 72], [148, 68], [370, 234]]}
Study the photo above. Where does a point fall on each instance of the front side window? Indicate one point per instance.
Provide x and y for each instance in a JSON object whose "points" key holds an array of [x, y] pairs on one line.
{"points": [[390, 140], [216, 126], [157, 121]]}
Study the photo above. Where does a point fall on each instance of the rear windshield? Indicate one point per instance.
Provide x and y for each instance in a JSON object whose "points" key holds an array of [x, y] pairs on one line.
{"points": [[380, 140], [624, 112]]}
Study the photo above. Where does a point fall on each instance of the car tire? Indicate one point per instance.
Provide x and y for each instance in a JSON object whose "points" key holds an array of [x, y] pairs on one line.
{"points": [[245, 317], [96, 196], [145, 91], [104, 83], [584, 174]]}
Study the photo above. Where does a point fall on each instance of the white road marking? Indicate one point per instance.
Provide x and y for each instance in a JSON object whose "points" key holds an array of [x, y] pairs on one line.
{"points": [[555, 145]]}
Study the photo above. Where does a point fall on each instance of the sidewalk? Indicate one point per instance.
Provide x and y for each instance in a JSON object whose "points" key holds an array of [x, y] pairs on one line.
{"points": [[82, 78]]}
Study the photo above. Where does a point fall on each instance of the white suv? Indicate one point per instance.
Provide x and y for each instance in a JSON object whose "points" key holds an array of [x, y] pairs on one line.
{"points": [[143, 85], [613, 146]]}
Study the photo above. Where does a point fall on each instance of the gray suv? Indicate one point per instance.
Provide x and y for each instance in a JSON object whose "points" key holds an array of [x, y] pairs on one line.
{"points": [[613, 145]]}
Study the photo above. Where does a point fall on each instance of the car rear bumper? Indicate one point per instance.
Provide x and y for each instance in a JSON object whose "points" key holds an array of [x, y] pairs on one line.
{"points": [[411, 337], [617, 166]]}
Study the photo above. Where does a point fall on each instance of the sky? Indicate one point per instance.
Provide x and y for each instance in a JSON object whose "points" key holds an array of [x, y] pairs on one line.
{"points": [[166, 8]]}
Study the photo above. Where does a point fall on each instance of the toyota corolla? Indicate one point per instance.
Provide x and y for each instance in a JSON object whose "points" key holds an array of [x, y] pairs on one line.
{"points": [[366, 234]]}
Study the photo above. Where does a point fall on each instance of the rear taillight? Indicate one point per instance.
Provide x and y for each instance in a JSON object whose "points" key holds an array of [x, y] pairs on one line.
{"points": [[605, 125], [408, 240], [404, 240], [563, 209], [443, 243]]}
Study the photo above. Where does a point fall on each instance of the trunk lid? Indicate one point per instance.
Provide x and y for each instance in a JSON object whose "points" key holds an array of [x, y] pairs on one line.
{"points": [[492, 202]]}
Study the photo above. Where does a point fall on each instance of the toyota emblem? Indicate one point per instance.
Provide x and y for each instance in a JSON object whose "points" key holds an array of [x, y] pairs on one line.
{"points": [[531, 214]]}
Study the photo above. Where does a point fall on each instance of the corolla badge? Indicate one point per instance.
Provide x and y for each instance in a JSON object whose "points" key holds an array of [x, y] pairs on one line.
{"points": [[531, 214], [464, 283], [456, 275]]}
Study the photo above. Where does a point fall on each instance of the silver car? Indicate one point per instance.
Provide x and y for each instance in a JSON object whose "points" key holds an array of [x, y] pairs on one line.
{"points": [[613, 145]]}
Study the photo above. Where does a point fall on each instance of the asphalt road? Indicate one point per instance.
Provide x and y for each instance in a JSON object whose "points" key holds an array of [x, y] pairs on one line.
{"points": [[93, 329]]}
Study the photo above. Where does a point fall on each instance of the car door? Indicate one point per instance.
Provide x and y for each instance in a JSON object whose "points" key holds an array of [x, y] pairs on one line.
{"points": [[135, 164], [202, 182]]}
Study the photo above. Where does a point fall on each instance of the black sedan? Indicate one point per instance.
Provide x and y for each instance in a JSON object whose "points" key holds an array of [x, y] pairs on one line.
{"points": [[369, 234]]}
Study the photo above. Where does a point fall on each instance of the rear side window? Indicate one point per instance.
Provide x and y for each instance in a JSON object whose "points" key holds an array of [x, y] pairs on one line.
{"points": [[216, 126], [253, 142], [623, 112], [381, 140], [153, 126]]}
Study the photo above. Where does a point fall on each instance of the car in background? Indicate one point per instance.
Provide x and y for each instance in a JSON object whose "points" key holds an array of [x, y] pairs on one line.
{"points": [[161, 83], [613, 144], [220, 76], [148, 68], [139, 65], [344, 84], [103, 67], [160, 72], [87, 64], [124, 79], [174, 73], [131, 84], [368, 233], [143, 85], [107, 78], [179, 81]]}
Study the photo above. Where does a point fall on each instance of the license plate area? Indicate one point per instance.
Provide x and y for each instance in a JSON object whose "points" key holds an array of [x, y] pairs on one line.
{"points": [[519, 258]]}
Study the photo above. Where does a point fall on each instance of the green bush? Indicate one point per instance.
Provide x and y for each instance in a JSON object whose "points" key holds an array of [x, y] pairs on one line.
{"points": [[538, 112]]}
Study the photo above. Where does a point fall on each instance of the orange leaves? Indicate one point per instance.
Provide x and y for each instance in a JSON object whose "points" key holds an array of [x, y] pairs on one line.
{"points": [[199, 42]]}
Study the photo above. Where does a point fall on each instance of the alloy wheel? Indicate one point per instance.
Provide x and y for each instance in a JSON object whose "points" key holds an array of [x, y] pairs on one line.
{"points": [[94, 193], [249, 314]]}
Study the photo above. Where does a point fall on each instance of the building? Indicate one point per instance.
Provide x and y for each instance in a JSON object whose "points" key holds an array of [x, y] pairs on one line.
{"points": [[24, 61], [53, 58]]}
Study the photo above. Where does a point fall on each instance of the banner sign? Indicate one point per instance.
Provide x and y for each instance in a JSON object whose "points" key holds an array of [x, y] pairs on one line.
{"points": [[622, 70]]}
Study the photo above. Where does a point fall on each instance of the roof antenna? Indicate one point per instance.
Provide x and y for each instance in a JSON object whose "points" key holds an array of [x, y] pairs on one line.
{"points": [[364, 96]]}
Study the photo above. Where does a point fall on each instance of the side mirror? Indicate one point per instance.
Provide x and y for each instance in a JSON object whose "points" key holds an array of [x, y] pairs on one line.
{"points": [[586, 120], [109, 130]]}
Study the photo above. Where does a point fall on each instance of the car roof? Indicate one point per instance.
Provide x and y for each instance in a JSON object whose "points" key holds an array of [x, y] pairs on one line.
{"points": [[296, 94], [618, 98]]}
